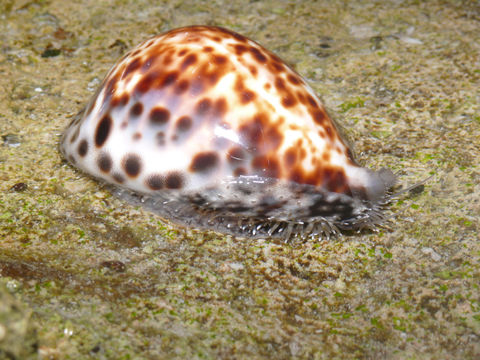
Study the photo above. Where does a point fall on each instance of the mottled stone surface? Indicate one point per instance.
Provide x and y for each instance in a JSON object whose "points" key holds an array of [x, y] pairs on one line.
{"points": [[17, 333], [103, 279]]}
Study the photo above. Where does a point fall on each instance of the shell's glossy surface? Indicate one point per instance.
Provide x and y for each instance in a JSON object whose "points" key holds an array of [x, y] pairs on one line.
{"points": [[207, 121]]}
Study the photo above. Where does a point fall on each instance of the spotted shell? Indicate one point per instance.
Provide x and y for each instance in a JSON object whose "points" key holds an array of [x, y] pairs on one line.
{"points": [[208, 128]]}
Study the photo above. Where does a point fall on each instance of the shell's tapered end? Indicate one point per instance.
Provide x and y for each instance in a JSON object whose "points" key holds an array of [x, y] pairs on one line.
{"points": [[380, 182]]}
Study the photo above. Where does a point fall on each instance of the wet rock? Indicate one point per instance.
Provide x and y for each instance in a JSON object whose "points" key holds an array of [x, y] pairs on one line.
{"points": [[18, 338]]}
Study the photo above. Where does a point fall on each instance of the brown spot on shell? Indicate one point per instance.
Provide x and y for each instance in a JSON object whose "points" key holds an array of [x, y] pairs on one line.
{"points": [[335, 180], [298, 175], [147, 64], [155, 182], [120, 100], [203, 106], [118, 178], [159, 115], [295, 80], [235, 155], [149, 43], [203, 162], [311, 100], [103, 130], [229, 33], [240, 49], [136, 109], [184, 123], [167, 60], [246, 96], [301, 97], [104, 162], [319, 117], [109, 84], [280, 84], [131, 67], [169, 78], [289, 101], [258, 54], [167, 52], [211, 77], [329, 131], [181, 86], [260, 134], [160, 138], [174, 180], [189, 60], [82, 148], [267, 166], [220, 107], [133, 54], [252, 133], [146, 82], [277, 66], [132, 164], [219, 59], [290, 157]]}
